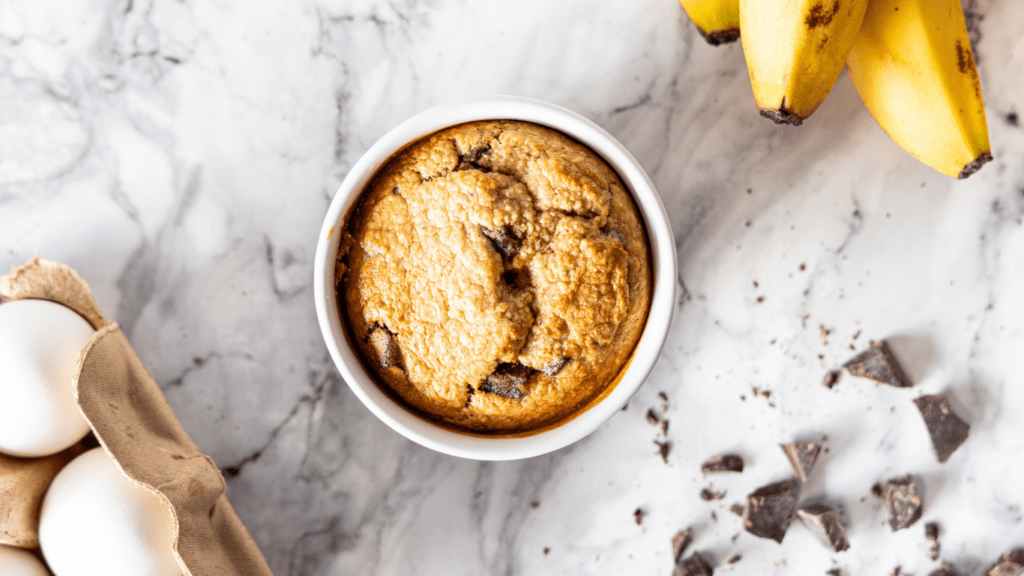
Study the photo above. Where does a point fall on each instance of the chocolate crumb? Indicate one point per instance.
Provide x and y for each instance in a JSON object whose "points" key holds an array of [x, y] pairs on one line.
{"points": [[708, 496], [1012, 119], [663, 396], [693, 566], [879, 364], [897, 571], [831, 378], [947, 430], [726, 463], [931, 532], [770, 509], [547, 550], [825, 519], [903, 501], [834, 572], [507, 380], [680, 542], [944, 570], [714, 517], [664, 428], [652, 418], [877, 490], [802, 456], [534, 504], [638, 516], [737, 509], [664, 448], [735, 558]]}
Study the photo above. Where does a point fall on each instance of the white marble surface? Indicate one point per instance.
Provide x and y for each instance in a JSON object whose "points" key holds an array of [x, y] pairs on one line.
{"points": [[181, 155]]}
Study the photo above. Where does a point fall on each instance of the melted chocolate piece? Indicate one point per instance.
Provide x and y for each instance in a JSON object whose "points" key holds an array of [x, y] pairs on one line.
{"points": [[727, 463], [802, 456], [948, 431], [825, 519], [771, 508], [504, 240], [879, 364], [385, 346], [507, 380], [903, 501]]}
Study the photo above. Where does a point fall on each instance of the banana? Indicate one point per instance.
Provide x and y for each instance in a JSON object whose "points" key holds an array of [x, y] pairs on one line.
{"points": [[717, 20], [912, 66], [795, 50]]}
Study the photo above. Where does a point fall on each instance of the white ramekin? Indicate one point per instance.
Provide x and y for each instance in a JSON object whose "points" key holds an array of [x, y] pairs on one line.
{"points": [[663, 257]]}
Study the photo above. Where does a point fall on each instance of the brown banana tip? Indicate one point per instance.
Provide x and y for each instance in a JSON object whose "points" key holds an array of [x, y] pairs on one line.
{"points": [[719, 37], [782, 117], [975, 165]]}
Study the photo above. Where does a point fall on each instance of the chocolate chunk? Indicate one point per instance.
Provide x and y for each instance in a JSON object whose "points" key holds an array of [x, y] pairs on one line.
{"points": [[834, 572], [948, 431], [737, 509], [693, 566], [652, 418], [931, 532], [518, 279], [828, 523], [471, 160], [503, 239], [735, 558], [555, 366], [680, 542], [727, 463], [802, 456], [903, 501], [1016, 556], [1006, 568], [708, 496], [831, 378], [664, 448], [944, 570], [879, 364], [638, 515], [385, 346], [507, 380], [770, 509]]}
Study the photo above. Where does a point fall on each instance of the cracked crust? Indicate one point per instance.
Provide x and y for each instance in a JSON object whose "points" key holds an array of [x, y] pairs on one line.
{"points": [[488, 245]]}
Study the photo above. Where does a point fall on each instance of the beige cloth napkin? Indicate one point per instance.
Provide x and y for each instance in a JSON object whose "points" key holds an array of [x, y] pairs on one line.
{"points": [[133, 422]]}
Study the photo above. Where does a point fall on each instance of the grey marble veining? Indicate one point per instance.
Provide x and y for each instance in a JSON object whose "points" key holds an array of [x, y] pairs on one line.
{"points": [[181, 155]]}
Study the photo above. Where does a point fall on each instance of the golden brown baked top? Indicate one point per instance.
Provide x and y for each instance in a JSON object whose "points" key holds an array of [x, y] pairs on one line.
{"points": [[495, 275]]}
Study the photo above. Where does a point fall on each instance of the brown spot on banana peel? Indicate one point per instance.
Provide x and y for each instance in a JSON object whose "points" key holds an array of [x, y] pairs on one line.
{"points": [[975, 165], [719, 37], [817, 16], [782, 116]]}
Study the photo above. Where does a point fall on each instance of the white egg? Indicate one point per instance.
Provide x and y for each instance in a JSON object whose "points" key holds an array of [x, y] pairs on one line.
{"points": [[40, 342], [18, 562], [94, 521]]}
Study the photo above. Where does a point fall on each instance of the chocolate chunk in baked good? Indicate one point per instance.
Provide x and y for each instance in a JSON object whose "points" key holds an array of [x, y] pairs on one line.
{"points": [[507, 380], [385, 345], [944, 570], [931, 532], [770, 509], [903, 501], [827, 521], [693, 566], [503, 239], [680, 542], [727, 463], [1011, 564], [947, 430], [802, 456], [878, 363]]}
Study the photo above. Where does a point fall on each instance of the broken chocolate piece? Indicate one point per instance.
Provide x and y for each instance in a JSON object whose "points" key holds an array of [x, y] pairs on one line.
{"points": [[944, 570], [802, 456], [903, 501], [504, 240], [664, 448], [834, 572], [1006, 568], [1016, 556], [879, 364], [652, 418], [726, 463], [735, 558], [831, 379], [556, 366], [693, 566], [770, 509], [680, 542], [507, 380], [948, 431], [931, 532], [638, 515], [385, 346], [707, 495], [737, 509], [828, 523]]}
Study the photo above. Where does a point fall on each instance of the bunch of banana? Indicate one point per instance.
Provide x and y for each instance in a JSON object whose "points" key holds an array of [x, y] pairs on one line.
{"points": [[910, 61]]}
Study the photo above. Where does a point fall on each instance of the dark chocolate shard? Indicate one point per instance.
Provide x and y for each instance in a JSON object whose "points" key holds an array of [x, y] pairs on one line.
{"points": [[944, 570], [802, 456], [831, 378], [693, 566], [385, 345], [931, 532], [707, 495], [664, 449], [680, 542], [504, 240], [827, 521], [555, 366], [726, 463], [1006, 568], [735, 558], [903, 502], [638, 515], [948, 431], [879, 364], [471, 161], [771, 508], [652, 418], [507, 380]]}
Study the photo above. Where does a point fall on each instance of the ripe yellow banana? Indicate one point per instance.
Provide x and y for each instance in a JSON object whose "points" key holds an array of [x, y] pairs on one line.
{"points": [[717, 20], [912, 66], [795, 50]]}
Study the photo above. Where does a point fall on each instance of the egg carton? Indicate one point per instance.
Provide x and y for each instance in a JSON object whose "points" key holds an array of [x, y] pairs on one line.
{"points": [[131, 420]]}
